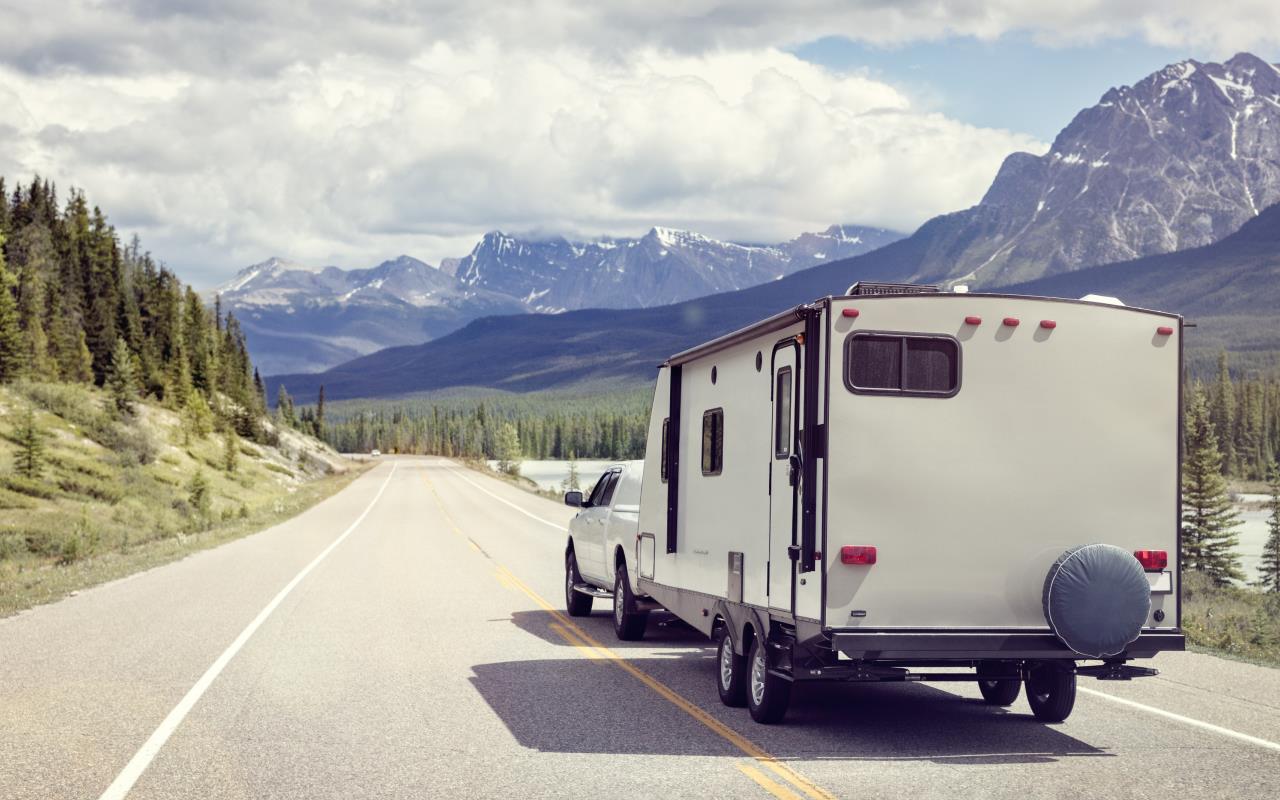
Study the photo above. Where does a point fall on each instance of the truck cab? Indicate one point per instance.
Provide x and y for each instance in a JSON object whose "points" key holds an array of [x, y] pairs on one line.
{"points": [[600, 553]]}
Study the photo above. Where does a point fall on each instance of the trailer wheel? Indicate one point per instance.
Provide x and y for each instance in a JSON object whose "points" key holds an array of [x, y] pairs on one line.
{"points": [[628, 623], [767, 695], [997, 692], [576, 603], [731, 671], [1051, 692]]}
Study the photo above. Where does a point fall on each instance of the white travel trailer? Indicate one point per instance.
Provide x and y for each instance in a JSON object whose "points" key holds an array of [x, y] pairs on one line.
{"points": [[900, 480]]}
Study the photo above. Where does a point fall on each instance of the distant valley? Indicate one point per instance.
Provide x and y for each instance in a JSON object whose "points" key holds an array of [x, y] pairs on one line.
{"points": [[303, 319]]}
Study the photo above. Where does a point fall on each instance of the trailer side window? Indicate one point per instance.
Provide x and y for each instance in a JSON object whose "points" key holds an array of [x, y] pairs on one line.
{"points": [[782, 414], [666, 424], [713, 441], [877, 363]]}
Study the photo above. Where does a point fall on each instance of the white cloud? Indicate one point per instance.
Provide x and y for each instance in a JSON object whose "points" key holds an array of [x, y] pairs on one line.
{"points": [[347, 131]]}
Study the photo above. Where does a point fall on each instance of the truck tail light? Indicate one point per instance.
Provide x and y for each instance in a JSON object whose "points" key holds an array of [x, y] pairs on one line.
{"points": [[1152, 560], [857, 554]]}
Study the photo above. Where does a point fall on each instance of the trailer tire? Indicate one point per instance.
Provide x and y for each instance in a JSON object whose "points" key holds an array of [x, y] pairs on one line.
{"points": [[767, 695], [628, 623], [576, 603], [731, 671], [1051, 692], [997, 692]]}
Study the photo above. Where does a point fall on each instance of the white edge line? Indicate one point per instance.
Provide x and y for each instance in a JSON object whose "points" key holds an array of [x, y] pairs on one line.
{"points": [[1244, 737], [508, 502], [124, 782]]}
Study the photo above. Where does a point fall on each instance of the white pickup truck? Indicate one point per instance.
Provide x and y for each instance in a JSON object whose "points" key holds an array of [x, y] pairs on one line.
{"points": [[599, 557]]}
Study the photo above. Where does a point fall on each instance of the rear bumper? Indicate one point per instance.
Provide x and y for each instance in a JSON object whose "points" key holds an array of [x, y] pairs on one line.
{"points": [[965, 645]]}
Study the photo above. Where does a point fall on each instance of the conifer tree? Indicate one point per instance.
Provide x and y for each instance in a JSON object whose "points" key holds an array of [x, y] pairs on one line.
{"points": [[122, 378], [319, 412], [1222, 410], [571, 481], [1208, 520], [1269, 568], [284, 407], [11, 349], [197, 418], [507, 449], [230, 451], [29, 461]]}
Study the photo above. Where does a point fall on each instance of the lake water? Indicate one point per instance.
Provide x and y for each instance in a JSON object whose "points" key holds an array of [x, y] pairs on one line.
{"points": [[1253, 524]]}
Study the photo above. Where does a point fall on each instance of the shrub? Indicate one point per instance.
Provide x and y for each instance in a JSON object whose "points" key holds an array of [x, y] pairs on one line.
{"points": [[107, 491], [30, 487]]}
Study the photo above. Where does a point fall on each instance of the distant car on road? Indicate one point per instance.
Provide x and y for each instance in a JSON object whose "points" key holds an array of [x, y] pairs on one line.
{"points": [[375, 452]]}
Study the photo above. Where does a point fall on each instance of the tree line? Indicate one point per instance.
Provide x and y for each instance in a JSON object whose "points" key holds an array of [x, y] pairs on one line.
{"points": [[78, 306]]}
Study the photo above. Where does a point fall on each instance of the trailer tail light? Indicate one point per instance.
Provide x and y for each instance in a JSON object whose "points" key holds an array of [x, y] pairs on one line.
{"points": [[973, 320], [857, 554], [849, 312], [1164, 330], [1012, 322], [1152, 560], [1048, 324]]}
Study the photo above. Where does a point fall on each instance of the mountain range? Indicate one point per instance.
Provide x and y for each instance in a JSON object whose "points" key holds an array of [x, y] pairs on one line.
{"points": [[1144, 196], [300, 319]]}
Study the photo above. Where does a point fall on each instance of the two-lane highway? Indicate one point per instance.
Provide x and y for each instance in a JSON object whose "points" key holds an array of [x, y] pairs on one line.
{"points": [[404, 639]]}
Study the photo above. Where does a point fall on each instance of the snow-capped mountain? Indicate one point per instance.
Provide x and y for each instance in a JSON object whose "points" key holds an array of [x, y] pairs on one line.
{"points": [[663, 266], [1178, 160], [302, 319]]}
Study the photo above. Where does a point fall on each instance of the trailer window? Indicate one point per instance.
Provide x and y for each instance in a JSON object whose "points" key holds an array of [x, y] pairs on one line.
{"points": [[666, 423], [877, 363], [782, 414], [713, 441]]}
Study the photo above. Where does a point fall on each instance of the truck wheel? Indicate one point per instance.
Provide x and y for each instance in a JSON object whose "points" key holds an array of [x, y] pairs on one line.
{"points": [[997, 692], [576, 603], [731, 672], [628, 623], [1051, 691], [767, 695]]}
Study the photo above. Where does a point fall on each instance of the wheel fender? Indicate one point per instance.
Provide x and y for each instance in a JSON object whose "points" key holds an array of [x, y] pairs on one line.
{"points": [[737, 618]]}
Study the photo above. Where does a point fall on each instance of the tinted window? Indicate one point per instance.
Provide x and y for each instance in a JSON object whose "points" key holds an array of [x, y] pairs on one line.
{"points": [[713, 441], [666, 423], [902, 364], [782, 414], [597, 493], [607, 497]]}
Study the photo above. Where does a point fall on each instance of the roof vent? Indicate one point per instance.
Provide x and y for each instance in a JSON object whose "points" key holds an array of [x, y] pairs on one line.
{"points": [[1102, 298], [865, 288]]}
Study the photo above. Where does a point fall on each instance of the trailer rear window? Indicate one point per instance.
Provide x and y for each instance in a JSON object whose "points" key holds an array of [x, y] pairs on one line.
{"points": [[902, 364], [713, 441], [666, 423]]}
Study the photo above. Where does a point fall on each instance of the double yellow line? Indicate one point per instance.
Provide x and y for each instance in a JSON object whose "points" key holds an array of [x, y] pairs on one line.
{"points": [[572, 633]]}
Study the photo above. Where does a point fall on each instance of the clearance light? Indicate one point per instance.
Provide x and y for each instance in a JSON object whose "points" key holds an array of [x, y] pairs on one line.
{"points": [[857, 554], [973, 320], [1164, 330], [1012, 322], [1048, 324], [1152, 560], [849, 312]]}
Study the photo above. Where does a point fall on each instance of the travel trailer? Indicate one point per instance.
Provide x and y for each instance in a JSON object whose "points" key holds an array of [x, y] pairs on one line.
{"points": [[904, 484]]}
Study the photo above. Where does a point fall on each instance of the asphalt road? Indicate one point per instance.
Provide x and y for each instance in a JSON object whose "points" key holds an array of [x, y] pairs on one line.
{"points": [[402, 639]]}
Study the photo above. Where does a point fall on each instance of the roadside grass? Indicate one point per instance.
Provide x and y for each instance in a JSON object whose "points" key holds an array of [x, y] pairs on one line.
{"points": [[116, 496], [1237, 622]]}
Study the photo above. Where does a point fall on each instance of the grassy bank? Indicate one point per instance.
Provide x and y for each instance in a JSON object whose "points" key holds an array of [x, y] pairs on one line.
{"points": [[1238, 622], [119, 495]]}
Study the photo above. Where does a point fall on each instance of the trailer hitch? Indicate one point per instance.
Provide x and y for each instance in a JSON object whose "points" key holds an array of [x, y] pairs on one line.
{"points": [[1117, 671]]}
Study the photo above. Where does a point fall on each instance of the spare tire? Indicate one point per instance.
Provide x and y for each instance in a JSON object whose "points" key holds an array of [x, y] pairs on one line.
{"points": [[1096, 599]]}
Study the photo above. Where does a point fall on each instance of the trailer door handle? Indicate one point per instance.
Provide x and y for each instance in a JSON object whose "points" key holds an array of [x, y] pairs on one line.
{"points": [[793, 552], [797, 465]]}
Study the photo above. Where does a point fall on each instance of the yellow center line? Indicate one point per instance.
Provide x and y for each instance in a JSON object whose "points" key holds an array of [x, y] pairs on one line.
{"points": [[587, 642], [768, 784]]}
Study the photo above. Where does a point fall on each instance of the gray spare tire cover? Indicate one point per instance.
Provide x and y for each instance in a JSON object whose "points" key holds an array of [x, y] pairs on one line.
{"points": [[1096, 599]]}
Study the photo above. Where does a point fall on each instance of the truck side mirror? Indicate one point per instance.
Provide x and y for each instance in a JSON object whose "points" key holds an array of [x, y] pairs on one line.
{"points": [[573, 499]]}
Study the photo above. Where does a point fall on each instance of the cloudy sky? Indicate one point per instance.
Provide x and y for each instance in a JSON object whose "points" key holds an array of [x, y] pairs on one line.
{"points": [[349, 131]]}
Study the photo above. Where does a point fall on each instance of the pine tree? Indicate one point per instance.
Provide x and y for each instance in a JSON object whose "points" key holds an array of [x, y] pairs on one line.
{"points": [[11, 339], [320, 414], [284, 407], [197, 418], [1269, 569], [507, 449], [230, 451], [1208, 520], [571, 481], [122, 378], [29, 461], [198, 494], [1222, 413]]}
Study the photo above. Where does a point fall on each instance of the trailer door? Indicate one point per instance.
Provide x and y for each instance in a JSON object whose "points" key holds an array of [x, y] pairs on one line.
{"points": [[784, 475]]}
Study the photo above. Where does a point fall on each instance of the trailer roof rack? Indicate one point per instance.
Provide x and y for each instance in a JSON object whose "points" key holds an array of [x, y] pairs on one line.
{"points": [[867, 287]]}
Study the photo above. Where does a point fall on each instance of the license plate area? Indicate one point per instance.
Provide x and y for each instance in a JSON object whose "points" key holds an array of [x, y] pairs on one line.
{"points": [[1161, 582]]}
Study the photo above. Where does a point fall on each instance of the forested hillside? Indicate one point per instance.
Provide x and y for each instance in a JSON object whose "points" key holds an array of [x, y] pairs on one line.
{"points": [[79, 306]]}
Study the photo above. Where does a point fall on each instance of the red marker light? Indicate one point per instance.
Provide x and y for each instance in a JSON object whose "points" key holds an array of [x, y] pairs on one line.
{"points": [[849, 312], [857, 554], [1012, 322], [1164, 330], [973, 320], [1152, 560], [1048, 324]]}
